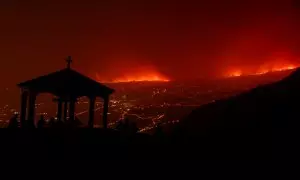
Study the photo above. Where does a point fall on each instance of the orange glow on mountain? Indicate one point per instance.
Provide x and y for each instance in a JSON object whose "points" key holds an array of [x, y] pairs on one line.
{"points": [[140, 77], [234, 73], [264, 69], [131, 68], [275, 68]]}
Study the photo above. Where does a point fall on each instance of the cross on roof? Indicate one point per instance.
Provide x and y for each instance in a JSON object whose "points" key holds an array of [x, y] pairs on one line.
{"points": [[69, 61]]}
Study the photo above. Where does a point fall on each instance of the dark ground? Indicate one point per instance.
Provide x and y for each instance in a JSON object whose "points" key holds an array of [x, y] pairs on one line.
{"points": [[243, 144]]}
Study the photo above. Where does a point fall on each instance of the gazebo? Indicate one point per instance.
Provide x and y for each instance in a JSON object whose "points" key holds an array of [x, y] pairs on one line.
{"points": [[67, 85]]}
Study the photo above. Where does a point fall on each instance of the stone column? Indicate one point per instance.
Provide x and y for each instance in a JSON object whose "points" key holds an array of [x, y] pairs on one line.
{"points": [[31, 109], [91, 112], [65, 110], [72, 110], [59, 109], [105, 111], [24, 98]]}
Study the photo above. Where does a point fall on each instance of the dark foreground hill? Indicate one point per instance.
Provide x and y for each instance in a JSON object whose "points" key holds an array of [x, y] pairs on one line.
{"points": [[74, 144], [260, 124]]}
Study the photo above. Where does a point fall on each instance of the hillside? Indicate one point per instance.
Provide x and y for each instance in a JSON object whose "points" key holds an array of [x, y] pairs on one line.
{"points": [[258, 123]]}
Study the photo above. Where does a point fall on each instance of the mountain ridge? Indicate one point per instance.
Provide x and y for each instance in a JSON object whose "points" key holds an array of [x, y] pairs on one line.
{"points": [[260, 123]]}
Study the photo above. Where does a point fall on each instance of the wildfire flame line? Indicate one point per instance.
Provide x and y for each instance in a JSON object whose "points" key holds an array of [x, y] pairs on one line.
{"points": [[141, 79], [138, 78], [260, 71]]}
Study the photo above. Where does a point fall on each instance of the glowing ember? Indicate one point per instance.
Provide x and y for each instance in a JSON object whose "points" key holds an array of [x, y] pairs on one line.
{"points": [[261, 71]]}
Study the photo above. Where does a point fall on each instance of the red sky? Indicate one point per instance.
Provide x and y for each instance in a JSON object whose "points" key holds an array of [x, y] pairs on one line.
{"points": [[180, 39]]}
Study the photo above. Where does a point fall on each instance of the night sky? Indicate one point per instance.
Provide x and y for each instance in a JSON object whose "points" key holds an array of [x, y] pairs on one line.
{"points": [[179, 39]]}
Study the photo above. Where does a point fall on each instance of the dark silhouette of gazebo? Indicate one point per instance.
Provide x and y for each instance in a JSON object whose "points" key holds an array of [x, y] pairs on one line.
{"points": [[67, 85]]}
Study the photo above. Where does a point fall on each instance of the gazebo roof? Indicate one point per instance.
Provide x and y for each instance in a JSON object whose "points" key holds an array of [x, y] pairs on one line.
{"points": [[67, 82]]}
